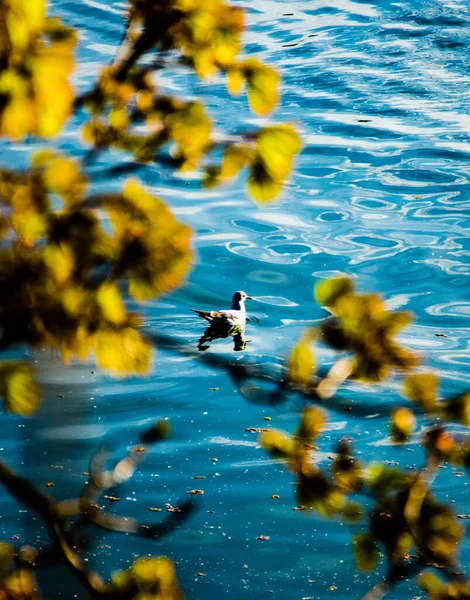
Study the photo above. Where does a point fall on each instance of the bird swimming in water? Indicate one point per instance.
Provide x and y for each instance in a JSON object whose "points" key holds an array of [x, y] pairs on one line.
{"points": [[232, 316]]}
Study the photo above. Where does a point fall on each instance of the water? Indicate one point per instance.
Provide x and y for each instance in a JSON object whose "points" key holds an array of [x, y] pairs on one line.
{"points": [[381, 192]]}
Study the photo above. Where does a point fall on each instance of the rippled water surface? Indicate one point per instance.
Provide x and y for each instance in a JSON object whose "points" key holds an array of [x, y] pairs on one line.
{"points": [[380, 91]]}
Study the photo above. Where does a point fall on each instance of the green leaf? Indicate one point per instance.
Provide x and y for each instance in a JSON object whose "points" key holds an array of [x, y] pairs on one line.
{"points": [[327, 292], [366, 552], [18, 387]]}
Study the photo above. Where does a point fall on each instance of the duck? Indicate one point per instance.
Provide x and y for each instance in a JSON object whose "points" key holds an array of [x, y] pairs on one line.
{"points": [[232, 316]]}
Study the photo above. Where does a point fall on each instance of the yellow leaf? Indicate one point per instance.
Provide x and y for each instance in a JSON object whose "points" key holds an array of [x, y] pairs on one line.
{"points": [[235, 158], [235, 81], [301, 363], [29, 225], [61, 176], [118, 118], [110, 301], [422, 389], [277, 147], [18, 387], [123, 351], [263, 86], [261, 186], [74, 300], [327, 292], [60, 260], [277, 443], [190, 128], [403, 424], [311, 425]]}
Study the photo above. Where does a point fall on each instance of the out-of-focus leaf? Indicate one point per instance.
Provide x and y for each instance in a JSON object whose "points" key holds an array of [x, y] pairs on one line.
{"points": [[362, 325], [111, 303], [29, 226], [346, 469], [403, 424], [261, 186], [277, 146], [422, 389], [353, 512], [6, 558], [262, 85], [328, 291], [277, 443], [119, 118], [366, 552], [430, 583], [311, 425], [60, 260], [235, 80], [157, 432], [148, 578], [190, 128], [37, 61], [62, 176], [458, 409], [124, 352], [381, 480], [18, 387], [302, 363], [235, 158]]}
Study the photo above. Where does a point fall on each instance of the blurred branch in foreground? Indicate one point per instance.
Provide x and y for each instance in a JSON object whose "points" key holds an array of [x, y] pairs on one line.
{"points": [[66, 520]]}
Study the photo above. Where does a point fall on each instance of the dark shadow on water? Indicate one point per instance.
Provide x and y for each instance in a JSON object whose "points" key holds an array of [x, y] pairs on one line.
{"points": [[217, 331]]}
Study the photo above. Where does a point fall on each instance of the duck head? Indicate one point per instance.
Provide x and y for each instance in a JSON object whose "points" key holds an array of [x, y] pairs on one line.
{"points": [[238, 299]]}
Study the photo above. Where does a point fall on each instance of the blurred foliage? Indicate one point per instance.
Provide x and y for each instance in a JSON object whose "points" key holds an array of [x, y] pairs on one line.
{"points": [[36, 60], [128, 111], [436, 589], [70, 258], [398, 516], [63, 268], [148, 578], [362, 325]]}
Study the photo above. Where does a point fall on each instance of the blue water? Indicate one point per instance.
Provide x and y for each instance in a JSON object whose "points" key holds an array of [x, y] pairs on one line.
{"points": [[380, 92]]}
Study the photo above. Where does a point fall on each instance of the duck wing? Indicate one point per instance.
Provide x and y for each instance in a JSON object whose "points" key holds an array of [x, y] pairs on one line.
{"points": [[209, 315]]}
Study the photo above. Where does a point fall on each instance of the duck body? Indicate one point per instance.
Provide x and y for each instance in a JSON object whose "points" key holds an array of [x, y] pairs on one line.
{"points": [[230, 317]]}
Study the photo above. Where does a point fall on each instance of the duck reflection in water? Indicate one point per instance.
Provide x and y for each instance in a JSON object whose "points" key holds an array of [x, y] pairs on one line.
{"points": [[226, 323], [217, 331]]}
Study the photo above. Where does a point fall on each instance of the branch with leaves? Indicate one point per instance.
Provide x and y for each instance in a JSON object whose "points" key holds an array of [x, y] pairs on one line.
{"points": [[414, 530], [65, 520]]}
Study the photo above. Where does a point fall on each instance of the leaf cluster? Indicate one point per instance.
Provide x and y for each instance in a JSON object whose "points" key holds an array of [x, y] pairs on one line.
{"points": [[36, 60], [63, 258]]}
